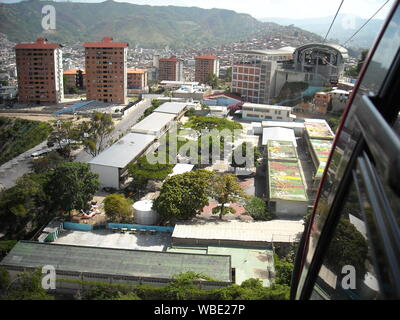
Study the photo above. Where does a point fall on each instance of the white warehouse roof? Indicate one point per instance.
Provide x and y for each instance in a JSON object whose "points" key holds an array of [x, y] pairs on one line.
{"points": [[278, 133], [172, 107], [268, 231], [121, 153], [153, 123]]}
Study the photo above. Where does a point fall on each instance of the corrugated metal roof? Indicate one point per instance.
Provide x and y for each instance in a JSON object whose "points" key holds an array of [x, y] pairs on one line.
{"points": [[121, 153], [116, 262], [172, 107], [154, 122], [278, 133], [276, 230]]}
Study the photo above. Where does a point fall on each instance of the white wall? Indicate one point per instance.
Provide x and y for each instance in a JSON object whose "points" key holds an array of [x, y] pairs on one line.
{"points": [[108, 176], [290, 209]]}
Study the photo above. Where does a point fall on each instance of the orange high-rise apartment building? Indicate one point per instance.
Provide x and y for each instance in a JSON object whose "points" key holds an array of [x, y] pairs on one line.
{"points": [[40, 74], [106, 71], [205, 65], [137, 80]]}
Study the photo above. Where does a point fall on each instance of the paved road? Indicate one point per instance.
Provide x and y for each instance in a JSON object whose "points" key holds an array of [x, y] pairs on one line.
{"points": [[15, 168]]}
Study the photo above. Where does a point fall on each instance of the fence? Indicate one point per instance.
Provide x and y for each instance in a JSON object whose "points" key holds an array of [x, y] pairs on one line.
{"points": [[77, 226], [139, 227]]}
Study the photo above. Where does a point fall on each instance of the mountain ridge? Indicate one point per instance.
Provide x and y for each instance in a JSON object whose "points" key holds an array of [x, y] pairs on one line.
{"points": [[140, 25]]}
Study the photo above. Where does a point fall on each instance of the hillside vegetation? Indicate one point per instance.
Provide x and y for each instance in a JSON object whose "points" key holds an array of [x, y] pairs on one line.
{"points": [[20, 135], [147, 26]]}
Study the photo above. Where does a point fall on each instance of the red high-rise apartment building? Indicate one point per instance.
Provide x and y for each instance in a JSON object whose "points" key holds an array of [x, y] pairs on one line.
{"points": [[40, 75], [170, 69], [205, 65], [106, 71]]}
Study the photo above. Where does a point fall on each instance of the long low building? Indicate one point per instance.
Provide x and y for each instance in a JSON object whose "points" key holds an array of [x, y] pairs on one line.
{"points": [[156, 124], [111, 164], [115, 265], [287, 192], [250, 234], [319, 138], [176, 108]]}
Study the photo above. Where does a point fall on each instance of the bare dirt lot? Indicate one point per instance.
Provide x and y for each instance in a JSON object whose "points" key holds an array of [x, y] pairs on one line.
{"points": [[38, 117]]}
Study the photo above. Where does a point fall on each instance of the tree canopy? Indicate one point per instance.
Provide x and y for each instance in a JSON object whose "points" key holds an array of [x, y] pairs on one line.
{"points": [[72, 185], [225, 189], [118, 208], [183, 196], [257, 209], [94, 133]]}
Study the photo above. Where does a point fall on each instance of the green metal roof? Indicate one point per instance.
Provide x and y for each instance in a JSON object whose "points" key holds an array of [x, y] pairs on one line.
{"points": [[118, 262]]}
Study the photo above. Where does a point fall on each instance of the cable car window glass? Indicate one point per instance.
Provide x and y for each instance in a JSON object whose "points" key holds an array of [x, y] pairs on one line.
{"points": [[348, 272]]}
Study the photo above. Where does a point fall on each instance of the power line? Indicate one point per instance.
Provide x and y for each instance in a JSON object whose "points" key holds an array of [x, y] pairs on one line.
{"points": [[366, 23], [333, 21]]}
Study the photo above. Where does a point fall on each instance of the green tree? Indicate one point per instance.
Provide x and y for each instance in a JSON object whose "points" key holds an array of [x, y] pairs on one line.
{"points": [[65, 136], [348, 247], [333, 123], [183, 286], [118, 208], [142, 171], [71, 186], [183, 196], [23, 203], [228, 75], [28, 287], [284, 270], [226, 189], [257, 209], [212, 80], [46, 163], [4, 280], [94, 133], [242, 149]]}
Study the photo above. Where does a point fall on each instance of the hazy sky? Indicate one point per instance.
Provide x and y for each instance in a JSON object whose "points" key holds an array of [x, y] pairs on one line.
{"points": [[276, 8]]}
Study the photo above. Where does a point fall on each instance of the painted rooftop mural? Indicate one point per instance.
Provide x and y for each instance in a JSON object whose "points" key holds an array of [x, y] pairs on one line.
{"points": [[319, 130], [286, 181], [281, 150], [322, 149]]}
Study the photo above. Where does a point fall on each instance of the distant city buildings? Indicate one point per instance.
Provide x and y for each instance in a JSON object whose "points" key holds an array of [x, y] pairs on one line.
{"points": [[170, 69], [204, 66], [106, 71], [40, 75]]}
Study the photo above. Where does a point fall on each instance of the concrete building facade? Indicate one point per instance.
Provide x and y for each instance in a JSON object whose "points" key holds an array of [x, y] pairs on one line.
{"points": [[106, 71], [253, 73], [40, 72], [137, 80], [75, 78], [170, 69], [262, 112], [204, 66]]}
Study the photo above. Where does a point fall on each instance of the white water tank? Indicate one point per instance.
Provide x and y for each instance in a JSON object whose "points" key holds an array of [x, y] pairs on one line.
{"points": [[144, 214]]}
